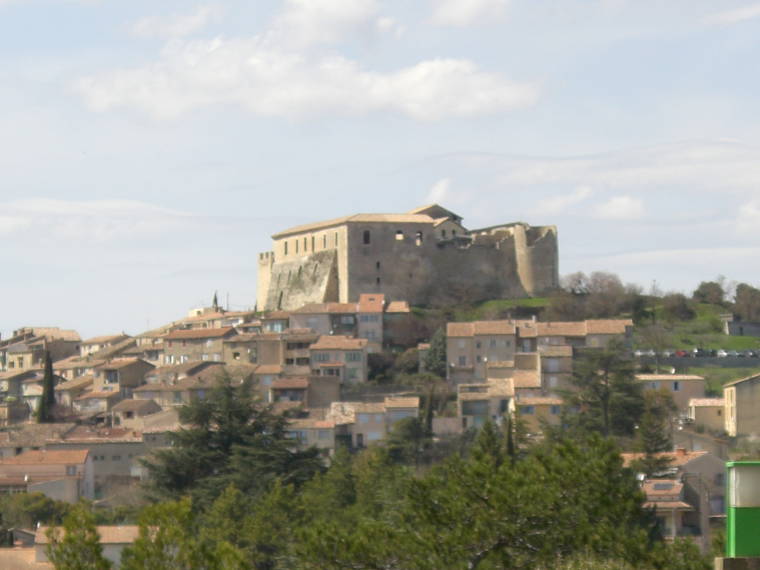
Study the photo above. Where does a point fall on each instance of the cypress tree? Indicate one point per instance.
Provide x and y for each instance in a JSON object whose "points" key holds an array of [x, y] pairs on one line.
{"points": [[45, 408]]}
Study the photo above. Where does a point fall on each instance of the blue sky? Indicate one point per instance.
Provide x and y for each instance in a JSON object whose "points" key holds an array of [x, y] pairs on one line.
{"points": [[149, 149]]}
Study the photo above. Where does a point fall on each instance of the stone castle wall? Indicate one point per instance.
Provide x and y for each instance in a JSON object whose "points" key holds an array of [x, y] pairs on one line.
{"points": [[410, 261]]}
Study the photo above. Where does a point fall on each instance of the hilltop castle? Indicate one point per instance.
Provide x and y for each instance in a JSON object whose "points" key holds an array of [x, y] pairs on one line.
{"points": [[424, 256]]}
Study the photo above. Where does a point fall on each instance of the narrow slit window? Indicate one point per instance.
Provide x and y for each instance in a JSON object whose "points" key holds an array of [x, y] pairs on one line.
{"points": [[418, 238], [366, 237]]}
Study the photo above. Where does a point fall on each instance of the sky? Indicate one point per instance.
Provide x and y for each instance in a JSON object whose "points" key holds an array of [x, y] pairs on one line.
{"points": [[149, 149]]}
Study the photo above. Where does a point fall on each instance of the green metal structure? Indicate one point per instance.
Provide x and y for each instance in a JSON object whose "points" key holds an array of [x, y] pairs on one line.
{"points": [[743, 509]]}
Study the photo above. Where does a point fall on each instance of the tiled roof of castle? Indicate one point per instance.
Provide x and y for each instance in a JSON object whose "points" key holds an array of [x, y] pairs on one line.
{"points": [[357, 218]]}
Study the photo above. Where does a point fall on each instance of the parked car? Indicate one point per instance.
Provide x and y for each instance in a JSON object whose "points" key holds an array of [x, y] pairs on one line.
{"points": [[682, 353], [722, 353], [668, 353], [732, 353]]}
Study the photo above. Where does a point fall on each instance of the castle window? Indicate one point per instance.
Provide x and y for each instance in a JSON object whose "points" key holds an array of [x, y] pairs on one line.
{"points": [[296, 245], [324, 241], [377, 265], [312, 243], [418, 239], [377, 281], [336, 239], [286, 248], [305, 246], [399, 235], [443, 233], [365, 238]]}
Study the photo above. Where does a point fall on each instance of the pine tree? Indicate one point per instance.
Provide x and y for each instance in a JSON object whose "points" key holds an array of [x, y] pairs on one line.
{"points": [[77, 545], [435, 359], [45, 407]]}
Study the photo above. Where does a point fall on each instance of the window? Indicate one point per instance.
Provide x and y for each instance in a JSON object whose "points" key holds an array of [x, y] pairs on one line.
{"points": [[477, 344], [322, 356], [353, 356], [323, 434], [377, 281], [676, 386], [527, 410], [286, 248], [312, 243], [443, 233], [363, 418], [296, 245], [478, 358], [460, 343], [399, 235], [418, 238], [462, 361], [554, 410], [377, 265], [71, 470], [336, 239], [492, 343], [324, 241], [304, 244], [365, 237], [352, 374]]}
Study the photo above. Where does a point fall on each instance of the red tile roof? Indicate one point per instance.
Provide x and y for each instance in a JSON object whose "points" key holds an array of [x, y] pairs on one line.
{"points": [[48, 457]]}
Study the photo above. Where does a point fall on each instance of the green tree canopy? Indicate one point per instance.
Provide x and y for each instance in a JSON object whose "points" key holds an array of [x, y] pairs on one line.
{"points": [[606, 398], [231, 439], [76, 546], [435, 359]]}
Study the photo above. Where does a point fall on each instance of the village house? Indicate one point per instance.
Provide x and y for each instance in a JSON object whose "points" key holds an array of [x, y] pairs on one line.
{"points": [[703, 475], [536, 411], [340, 356], [114, 452], [742, 401], [75, 366], [67, 392], [63, 475], [30, 437], [187, 345], [32, 386], [122, 375], [129, 414], [478, 403], [666, 496], [369, 422], [682, 387], [309, 391], [479, 350], [242, 347], [27, 346], [95, 405], [708, 413], [92, 345]]}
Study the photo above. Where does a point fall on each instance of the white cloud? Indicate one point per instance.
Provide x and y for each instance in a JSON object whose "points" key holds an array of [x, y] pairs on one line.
{"points": [[748, 219], [462, 13], [386, 25], [620, 208], [96, 221], [558, 204], [439, 191], [735, 16], [271, 82], [308, 22], [731, 166], [177, 25]]}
